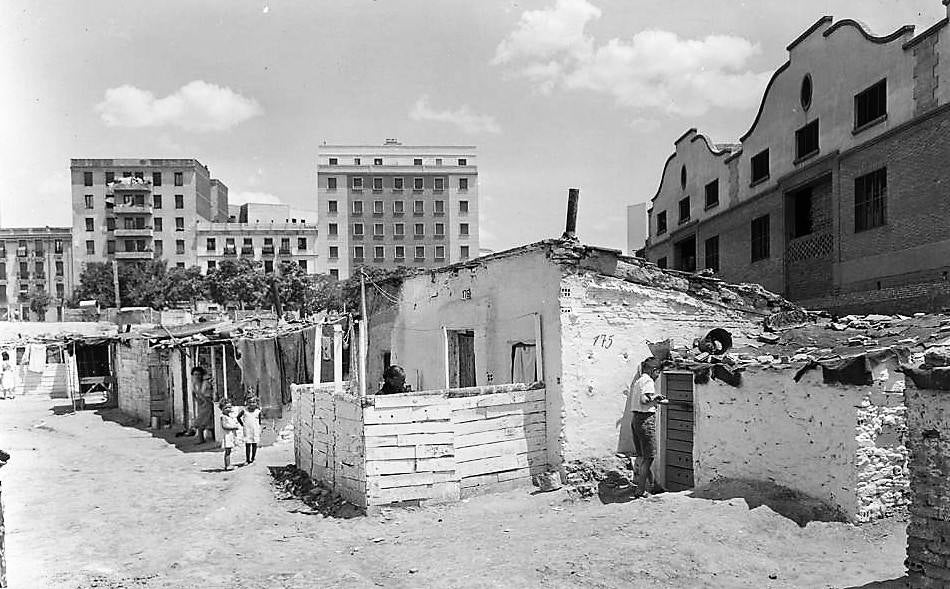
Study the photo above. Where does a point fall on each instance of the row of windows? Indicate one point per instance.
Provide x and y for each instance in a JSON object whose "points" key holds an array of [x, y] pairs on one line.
{"points": [[438, 184], [378, 161], [268, 265], [870, 107], [158, 223], [156, 177], [398, 252], [399, 207], [870, 211], [39, 247], [137, 200], [39, 270], [399, 229], [211, 244], [24, 288]]}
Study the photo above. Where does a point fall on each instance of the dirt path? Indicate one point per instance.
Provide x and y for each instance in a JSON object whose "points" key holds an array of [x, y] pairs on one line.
{"points": [[92, 503]]}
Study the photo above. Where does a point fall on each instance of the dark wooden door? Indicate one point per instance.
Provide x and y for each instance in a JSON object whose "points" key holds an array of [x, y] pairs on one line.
{"points": [[466, 347], [679, 432], [159, 388]]}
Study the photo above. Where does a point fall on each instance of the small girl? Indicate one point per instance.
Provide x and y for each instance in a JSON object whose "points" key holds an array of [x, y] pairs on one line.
{"points": [[250, 420], [230, 426], [7, 377]]}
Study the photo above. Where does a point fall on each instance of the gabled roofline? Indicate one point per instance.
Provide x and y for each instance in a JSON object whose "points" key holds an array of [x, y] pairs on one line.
{"points": [[818, 23], [696, 136], [928, 32], [849, 22], [765, 95]]}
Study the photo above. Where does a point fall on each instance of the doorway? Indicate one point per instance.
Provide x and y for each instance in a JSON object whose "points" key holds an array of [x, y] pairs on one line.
{"points": [[461, 358], [684, 254], [677, 428]]}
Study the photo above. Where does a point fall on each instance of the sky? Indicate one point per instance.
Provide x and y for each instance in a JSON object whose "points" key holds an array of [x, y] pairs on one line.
{"points": [[554, 93]]}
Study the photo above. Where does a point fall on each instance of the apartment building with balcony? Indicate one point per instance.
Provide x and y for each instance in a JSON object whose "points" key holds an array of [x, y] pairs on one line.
{"points": [[836, 196], [35, 258], [141, 209], [396, 205]]}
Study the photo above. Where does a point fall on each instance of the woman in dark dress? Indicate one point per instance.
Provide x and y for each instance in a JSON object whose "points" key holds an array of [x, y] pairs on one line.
{"points": [[204, 402]]}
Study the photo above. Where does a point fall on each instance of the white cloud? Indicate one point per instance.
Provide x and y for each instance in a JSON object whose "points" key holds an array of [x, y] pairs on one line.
{"points": [[196, 106], [462, 117], [650, 70], [240, 198]]}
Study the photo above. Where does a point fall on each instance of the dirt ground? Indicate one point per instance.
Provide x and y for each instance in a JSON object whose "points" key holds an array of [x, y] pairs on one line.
{"points": [[93, 503]]}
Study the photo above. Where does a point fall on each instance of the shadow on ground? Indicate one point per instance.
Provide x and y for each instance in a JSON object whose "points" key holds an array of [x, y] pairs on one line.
{"points": [[171, 436], [901, 583], [798, 507]]}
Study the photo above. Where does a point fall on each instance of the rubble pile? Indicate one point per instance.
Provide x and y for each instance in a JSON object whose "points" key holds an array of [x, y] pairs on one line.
{"points": [[292, 483], [587, 478], [883, 484]]}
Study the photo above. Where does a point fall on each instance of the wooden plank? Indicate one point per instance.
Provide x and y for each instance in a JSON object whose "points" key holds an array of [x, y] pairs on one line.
{"points": [[679, 446], [478, 413], [396, 429], [406, 414], [516, 446], [484, 479], [496, 423], [347, 410], [434, 450], [491, 465], [678, 479], [680, 425], [424, 438], [383, 496], [682, 396], [679, 459], [408, 480], [435, 464], [408, 400], [391, 453], [458, 403], [680, 414], [679, 378], [500, 435], [518, 473], [675, 434], [378, 467], [377, 441]]}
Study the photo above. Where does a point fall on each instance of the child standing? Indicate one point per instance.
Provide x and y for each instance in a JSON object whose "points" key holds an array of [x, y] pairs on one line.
{"points": [[7, 377], [230, 426], [250, 420]]}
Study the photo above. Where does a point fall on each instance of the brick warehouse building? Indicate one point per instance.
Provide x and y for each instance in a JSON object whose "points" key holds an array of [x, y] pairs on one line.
{"points": [[396, 205], [838, 195]]}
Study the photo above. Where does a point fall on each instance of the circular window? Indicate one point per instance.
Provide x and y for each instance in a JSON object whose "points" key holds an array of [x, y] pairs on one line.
{"points": [[806, 91], [683, 176]]}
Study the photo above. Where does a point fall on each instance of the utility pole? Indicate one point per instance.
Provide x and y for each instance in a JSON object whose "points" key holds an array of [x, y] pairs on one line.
{"points": [[115, 282], [364, 333]]}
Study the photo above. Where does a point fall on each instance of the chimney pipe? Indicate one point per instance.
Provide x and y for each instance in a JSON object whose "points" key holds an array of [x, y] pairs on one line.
{"points": [[570, 229]]}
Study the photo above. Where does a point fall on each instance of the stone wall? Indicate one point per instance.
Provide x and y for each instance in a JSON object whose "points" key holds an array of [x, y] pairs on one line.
{"points": [[841, 444], [928, 533], [131, 372]]}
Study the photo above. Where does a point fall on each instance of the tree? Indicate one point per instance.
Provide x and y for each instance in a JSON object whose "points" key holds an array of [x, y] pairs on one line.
{"points": [[350, 288], [39, 301], [143, 284], [241, 282], [186, 284], [95, 283]]}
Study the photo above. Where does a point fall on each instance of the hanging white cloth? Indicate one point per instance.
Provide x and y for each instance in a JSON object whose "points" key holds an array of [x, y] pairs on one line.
{"points": [[37, 358], [524, 362]]}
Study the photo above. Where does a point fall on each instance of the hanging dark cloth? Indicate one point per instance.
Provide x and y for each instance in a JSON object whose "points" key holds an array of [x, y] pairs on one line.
{"points": [[262, 372], [937, 379], [720, 372], [811, 365], [296, 357]]}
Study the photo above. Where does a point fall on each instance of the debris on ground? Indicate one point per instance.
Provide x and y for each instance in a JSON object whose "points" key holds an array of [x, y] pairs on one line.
{"points": [[292, 483]]}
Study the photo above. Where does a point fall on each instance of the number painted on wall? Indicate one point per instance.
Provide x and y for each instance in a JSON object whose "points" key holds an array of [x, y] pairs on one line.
{"points": [[603, 340]]}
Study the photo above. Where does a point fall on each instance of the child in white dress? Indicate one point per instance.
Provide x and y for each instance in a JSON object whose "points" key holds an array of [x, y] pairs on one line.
{"points": [[230, 426], [250, 420]]}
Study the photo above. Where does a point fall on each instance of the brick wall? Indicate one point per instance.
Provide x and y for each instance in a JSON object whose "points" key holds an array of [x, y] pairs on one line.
{"points": [[809, 259], [131, 370], [928, 533]]}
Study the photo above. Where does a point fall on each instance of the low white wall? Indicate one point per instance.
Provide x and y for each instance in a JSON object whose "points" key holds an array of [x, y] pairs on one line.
{"points": [[842, 444]]}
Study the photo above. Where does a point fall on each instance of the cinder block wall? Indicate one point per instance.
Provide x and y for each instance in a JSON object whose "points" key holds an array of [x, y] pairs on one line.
{"points": [[131, 371], [928, 533]]}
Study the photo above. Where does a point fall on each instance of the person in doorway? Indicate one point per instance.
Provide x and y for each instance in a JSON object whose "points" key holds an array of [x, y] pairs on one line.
{"points": [[230, 426], [250, 420], [394, 381], [7, 377], [204, 402], [644, 400]]}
